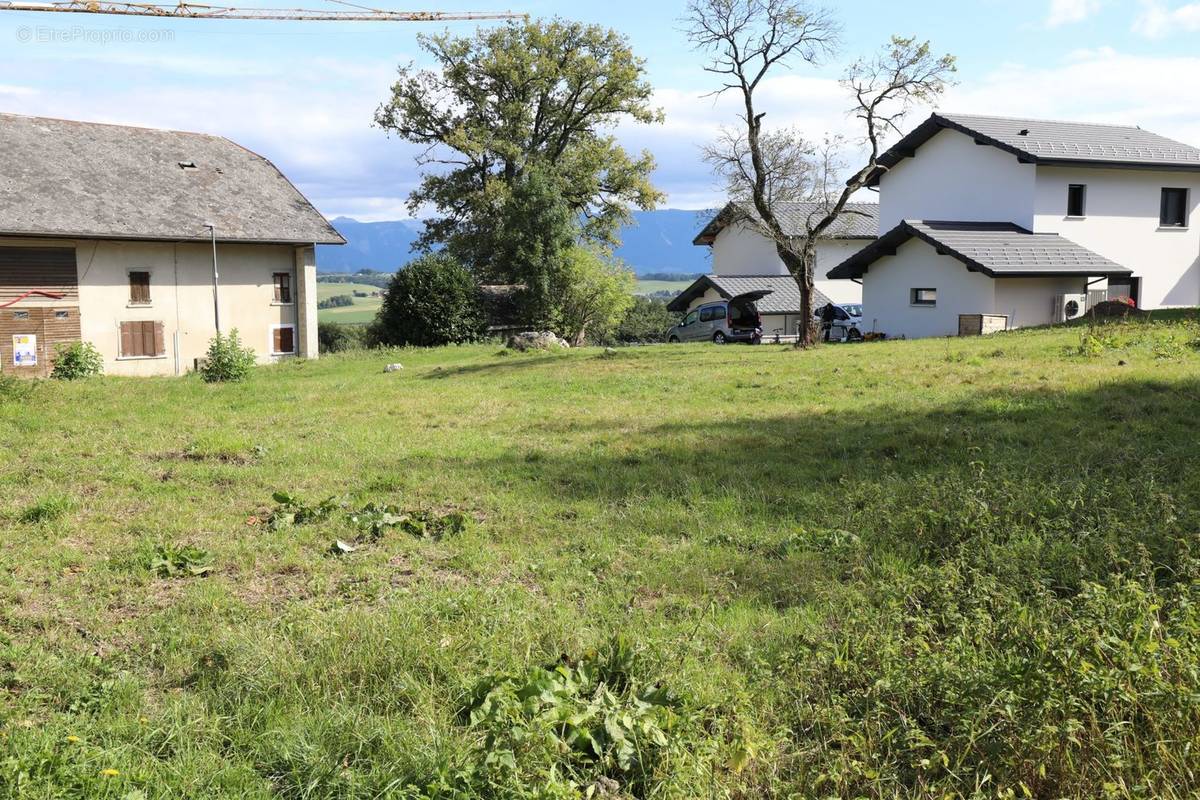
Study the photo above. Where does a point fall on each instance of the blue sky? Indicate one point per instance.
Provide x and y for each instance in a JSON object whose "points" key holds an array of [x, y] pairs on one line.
{"points": [[303, 94]]}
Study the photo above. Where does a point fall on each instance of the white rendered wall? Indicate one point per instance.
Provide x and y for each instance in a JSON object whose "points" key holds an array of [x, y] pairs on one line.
{"points": [[952, 178], [181, 298], [1030, 301], [887, 292], [1121, 223], [739, 249]]}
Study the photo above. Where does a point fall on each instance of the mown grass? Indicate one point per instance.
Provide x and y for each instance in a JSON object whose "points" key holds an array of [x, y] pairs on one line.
{"points": [[362, 311], [953, 568]]}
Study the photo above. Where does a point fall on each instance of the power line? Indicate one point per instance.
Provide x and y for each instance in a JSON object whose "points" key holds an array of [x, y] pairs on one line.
{"points": [[194, 11]]}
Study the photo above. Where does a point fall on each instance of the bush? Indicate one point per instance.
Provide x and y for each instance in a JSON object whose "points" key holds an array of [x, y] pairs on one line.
{"points": [[337, 337], [337, 301], [430, 302], [77, 360], [646, 322], [227, 359]]}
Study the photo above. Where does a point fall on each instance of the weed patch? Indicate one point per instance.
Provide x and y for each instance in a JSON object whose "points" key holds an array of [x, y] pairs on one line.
{"points": [[47, 509], [179, 561]]}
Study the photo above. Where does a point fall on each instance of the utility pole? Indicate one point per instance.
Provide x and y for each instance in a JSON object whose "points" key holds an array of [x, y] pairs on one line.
{"points": [[216, 284]]}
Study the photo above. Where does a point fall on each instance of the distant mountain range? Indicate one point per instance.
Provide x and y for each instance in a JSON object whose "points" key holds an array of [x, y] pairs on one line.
{"points": [[660, 241]]}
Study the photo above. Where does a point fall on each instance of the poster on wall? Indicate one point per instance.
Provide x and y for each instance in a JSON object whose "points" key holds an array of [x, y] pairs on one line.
{"points": [[25, 350]]}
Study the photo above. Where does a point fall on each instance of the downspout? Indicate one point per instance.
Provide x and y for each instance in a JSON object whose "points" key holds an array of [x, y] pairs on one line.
{"points": [[216, 284]]}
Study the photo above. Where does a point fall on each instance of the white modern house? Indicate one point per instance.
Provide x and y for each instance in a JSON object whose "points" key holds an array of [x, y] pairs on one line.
{"points": [[141, 241], [744, 259], [1028, 219]]}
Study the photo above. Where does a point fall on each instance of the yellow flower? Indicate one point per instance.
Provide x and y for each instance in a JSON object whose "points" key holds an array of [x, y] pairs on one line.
{"points": [[72, 739], [109, 773], [143, 720]]}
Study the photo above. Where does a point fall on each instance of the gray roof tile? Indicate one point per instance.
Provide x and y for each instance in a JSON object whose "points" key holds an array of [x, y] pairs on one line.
{"points": [[857, 221], [997, 249], [82, 179], [784, 297], [1051, 142]]}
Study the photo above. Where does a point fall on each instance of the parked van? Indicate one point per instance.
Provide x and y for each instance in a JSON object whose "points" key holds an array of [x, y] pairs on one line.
{"points": [[722, 321]]}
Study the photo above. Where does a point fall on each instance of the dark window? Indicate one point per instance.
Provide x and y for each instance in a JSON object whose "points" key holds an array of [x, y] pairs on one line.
{"points": [[283, 287], [1076, 200], [283, 340], [1173, 213], [20, 315], [142, 340], [690, 318], [62, 314], [139, 288], [923, 297]]}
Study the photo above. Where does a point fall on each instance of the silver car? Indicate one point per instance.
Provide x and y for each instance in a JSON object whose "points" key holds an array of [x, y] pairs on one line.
{"points": [[722, 321]]}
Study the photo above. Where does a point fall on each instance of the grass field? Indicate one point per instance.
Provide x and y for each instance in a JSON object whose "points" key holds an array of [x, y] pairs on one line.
{"points": [[362, 311], [951, 568], [650, 287]]}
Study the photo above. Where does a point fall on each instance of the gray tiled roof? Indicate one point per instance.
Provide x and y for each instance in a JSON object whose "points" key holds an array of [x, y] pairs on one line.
{"points": [[1080, 141], [1051, 142], [81, 179], [784, 297], [857, 221], [997, 249]]}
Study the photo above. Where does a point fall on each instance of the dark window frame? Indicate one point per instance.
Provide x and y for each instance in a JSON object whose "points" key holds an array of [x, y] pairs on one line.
{"points": [[1077, 196], [914, 296], [139, 291], [277, 335], [282, 283], [1165, 207]]}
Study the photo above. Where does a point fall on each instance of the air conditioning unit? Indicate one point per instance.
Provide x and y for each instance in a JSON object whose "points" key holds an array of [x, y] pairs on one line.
{"points": [[1069, 306]]}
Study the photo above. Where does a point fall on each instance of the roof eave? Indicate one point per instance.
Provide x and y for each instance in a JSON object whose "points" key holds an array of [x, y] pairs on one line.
{"points": [[202, 239]]}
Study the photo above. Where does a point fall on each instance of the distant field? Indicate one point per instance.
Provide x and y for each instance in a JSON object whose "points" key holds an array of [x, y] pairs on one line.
{"points": [[650, 287], [362, 311]]}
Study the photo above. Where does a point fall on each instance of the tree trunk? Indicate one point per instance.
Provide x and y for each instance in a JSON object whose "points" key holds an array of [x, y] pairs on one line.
{"points": [[801, 266]]}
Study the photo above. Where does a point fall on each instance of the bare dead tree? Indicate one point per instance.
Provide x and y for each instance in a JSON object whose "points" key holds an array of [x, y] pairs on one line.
{"points": [[746, 40]]}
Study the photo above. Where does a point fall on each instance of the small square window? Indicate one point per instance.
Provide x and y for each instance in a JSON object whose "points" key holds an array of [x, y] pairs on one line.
{"points": [[1076, 200], [62, 314], [1173, 211], [20, 315], [283, 340], [923, 297]]}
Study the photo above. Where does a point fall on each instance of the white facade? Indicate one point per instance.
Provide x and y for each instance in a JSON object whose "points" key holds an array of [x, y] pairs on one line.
{"points": [[888, 286], [739, 249], [951, 178], [1121, 222], [181, 298]]}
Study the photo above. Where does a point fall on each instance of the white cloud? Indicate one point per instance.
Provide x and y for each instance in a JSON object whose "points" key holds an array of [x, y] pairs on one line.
{"points": [[1065, 12], [1156, 20]]}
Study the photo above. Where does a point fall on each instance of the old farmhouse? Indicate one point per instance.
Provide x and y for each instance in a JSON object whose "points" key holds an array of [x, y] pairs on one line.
{"points": [[145, 242]]}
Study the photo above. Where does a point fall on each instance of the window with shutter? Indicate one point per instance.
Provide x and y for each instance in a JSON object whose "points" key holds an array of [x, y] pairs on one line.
{"points": [[142, 339], [283, 340], [283, 287], [139, 288]]}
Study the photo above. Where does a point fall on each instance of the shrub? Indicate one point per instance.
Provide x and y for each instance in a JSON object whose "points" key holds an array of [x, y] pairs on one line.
{"points": [[646, 322], [77, 360], [430, 302], [337, 301], [337, 337], [227, 359]]}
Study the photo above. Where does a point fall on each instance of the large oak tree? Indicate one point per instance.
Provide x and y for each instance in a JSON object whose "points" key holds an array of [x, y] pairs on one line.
{"points": [[525, 96]]}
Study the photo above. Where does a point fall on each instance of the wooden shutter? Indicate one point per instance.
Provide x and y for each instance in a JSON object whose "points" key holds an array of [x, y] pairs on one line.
{"points": [[160, 345], [127, 339], [283, 287], [283, 340], [139, 287]]}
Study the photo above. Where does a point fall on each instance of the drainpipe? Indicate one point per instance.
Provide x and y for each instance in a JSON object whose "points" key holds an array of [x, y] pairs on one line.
{"points": [[216, 295]]}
